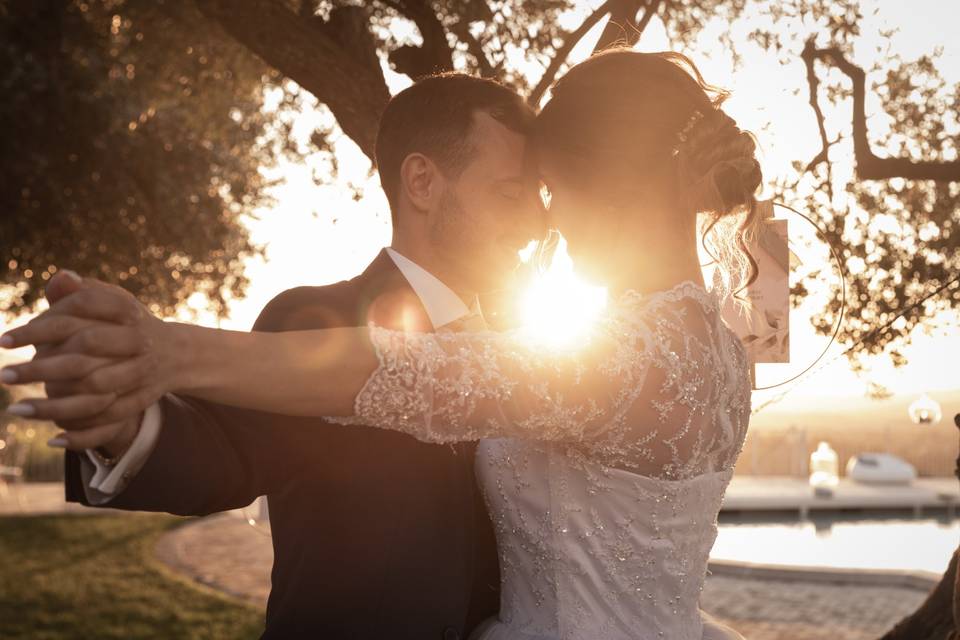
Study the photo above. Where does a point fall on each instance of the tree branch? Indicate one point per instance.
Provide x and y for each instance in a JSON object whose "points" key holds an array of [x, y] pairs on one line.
{"points": [[564, 52], [435, 54], [652, 7], [621, 28], [813, 82], [869, 166], [462, 30], [336, 60]]}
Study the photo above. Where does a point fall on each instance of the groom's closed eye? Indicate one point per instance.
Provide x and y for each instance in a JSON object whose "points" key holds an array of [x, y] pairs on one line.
{"points": [[510, 189]]}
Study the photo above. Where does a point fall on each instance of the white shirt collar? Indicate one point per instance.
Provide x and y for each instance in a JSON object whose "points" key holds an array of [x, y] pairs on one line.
{"points": [[443, 306]]}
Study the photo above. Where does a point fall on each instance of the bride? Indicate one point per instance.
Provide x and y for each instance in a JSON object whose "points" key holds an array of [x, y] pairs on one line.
{"points": [[603, 465]]}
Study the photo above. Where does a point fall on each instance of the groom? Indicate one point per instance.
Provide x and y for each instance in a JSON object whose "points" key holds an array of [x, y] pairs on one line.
{"points": [[376, 535]]}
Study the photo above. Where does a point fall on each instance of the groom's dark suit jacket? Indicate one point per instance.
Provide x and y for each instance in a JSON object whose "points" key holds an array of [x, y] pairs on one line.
{"points": [[376, 535]]}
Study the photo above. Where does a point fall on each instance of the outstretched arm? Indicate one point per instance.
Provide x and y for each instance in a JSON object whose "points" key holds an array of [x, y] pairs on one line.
{"points": [[255, 452], [302, 373], [642, 392], [439, 387], [659, 388]]}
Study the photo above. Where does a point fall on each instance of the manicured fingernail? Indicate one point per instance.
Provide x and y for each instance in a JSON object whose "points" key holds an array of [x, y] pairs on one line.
{"points": [[72, 274], [59, 442], [8, 376], [22, 409], [6, 342]]}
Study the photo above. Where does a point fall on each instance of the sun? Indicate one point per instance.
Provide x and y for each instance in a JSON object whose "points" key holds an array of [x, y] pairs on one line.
{"points": [[559, 308]]}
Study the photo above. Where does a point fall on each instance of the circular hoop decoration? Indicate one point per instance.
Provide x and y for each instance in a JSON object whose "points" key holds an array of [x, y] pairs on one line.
{"points": [[843, 297]]}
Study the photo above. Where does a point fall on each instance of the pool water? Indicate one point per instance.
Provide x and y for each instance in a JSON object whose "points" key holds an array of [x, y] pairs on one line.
{"points": [[841, 540]]}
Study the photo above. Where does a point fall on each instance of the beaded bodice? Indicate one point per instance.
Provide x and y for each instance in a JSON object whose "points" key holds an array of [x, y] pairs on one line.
{"points": [[588, 552], [603, 467]]}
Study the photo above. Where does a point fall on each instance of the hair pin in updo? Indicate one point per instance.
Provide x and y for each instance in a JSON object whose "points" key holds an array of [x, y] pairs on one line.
{"points": [[692, 121]]}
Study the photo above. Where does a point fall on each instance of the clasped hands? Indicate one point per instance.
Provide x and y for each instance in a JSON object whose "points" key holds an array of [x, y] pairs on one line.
{"points": [[103, 359]]}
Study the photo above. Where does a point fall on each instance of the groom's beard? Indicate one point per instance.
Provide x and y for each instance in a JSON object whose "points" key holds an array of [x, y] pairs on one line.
{"points": [[464, 245], [450, 229]]}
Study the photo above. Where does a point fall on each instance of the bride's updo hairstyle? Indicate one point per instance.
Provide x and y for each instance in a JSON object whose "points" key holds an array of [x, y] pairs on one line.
{"points": [[627, 127]]}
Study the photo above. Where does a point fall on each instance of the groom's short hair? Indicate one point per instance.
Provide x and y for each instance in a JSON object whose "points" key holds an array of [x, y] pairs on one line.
{"points": [[434, 117]]}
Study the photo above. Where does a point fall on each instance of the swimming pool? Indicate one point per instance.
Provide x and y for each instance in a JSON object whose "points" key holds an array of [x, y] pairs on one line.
{"points": [[879, 541]]}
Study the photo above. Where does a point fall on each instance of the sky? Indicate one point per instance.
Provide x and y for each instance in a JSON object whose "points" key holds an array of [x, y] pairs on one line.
{"points": [[318, 234]]}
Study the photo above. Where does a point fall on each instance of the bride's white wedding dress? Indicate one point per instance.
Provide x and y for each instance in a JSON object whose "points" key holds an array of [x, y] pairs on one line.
{"points": [[603, 468]]}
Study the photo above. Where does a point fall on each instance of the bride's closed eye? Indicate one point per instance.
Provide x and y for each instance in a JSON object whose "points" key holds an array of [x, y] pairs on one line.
{"points": [[511, 190]]}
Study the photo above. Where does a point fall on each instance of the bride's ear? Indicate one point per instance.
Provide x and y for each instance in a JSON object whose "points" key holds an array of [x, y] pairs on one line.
{"points": [[421, 181]]}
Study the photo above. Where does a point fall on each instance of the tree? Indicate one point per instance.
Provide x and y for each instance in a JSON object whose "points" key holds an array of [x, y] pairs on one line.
{"points": [[130, 149], [922, 190], [897, 220], [163, 109], [915, 180], [938, 618], [136, 128], [137, 132]]}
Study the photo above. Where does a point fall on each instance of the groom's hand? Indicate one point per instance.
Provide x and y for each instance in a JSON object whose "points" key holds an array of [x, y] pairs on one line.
{"points": [[98, 358], [112, 439]]}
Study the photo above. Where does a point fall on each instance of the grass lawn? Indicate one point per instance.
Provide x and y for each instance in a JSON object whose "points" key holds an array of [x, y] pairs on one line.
{"points": [[94, 576]]}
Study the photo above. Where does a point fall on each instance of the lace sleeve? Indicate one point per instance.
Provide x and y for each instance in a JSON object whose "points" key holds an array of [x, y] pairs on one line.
{"points": [[638, 394]]}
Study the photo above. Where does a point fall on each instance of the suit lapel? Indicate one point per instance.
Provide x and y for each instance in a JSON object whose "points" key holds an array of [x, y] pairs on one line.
{"points": [[387, 299]]}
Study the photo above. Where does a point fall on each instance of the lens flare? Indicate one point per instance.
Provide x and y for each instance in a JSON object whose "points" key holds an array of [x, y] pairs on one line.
{"points": [[559, 308]]}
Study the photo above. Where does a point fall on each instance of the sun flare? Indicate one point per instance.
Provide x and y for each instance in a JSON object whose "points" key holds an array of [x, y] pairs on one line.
{"points": [[559, 308]]}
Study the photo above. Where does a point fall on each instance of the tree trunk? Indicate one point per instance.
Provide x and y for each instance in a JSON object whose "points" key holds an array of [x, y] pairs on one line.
{"points": [[937, 617], [335, 60]]}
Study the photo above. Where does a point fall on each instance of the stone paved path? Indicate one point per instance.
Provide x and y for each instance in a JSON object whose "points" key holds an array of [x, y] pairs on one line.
{"points": [[223, 552], [781, 610], [226, 553]]}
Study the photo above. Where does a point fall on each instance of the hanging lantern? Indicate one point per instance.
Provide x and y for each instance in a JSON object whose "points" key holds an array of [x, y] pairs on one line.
{"points": [[925, 410]]}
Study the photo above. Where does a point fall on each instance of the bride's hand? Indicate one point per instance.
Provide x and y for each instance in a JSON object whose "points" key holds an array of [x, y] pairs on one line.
{"points": [[102, 355]]}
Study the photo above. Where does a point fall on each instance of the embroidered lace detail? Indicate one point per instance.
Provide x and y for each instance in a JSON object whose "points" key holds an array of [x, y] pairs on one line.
{"points": [[603, 468], [661, 388]]}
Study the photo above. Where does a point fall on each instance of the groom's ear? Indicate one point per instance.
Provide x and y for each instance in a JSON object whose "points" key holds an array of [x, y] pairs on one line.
{"points": [[420, 181]]}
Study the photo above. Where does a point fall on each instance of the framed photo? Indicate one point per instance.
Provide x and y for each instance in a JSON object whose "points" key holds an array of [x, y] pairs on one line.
{"points": [[763, 323]]}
